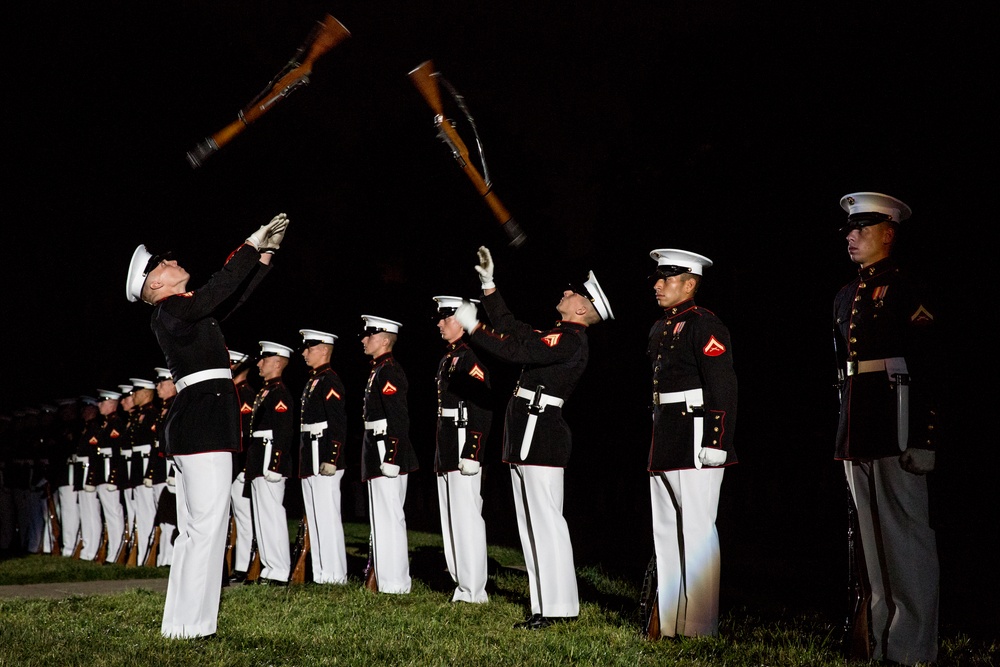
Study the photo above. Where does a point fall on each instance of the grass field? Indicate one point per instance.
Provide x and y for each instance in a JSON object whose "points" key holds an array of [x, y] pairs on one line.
{"points": [[347, 625]]}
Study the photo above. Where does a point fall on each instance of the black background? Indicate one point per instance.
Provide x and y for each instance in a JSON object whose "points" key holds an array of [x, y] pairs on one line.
{"points": [[611, 129]]}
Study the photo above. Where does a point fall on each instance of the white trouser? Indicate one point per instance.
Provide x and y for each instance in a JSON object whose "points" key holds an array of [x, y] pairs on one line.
{"points": [[69, 519], [38, 525], [145, 512], [390, 550], [195, 584], [545, 541], [688, 562], [321, 496], [464, 532], [271, 523], [901, 557], [90, 523], [244, 525], [114, 518]]}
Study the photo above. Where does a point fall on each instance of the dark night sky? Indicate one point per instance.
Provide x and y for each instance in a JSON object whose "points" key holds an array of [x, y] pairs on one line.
{"points": [[611, 129]]}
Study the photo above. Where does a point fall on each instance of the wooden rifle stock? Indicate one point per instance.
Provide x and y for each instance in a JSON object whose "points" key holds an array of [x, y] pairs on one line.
{"points": [[102, 550], [327, 34], [227, 564], [301, 556], [426, 81], [649, 606], [121, 558], [55, 531], [857, 643], [133, 552], [154, 547], [371, 579]]}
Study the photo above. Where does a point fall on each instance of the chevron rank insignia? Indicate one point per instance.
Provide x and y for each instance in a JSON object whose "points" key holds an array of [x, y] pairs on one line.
{"points": [[478, 373], [333, 393], [552, 339], [281, 407], [389, 389], [922, 315], [246, 409], [115, 433], [713, 348]]}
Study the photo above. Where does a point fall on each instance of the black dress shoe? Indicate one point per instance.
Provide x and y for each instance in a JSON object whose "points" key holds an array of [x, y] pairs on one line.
{"points": [[271, 582], [238, 577], [529, 622], [541, 622]]}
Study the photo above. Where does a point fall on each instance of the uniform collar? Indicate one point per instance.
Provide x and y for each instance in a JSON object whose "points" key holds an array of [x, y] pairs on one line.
{"points": [[878, 268], [381, 359], [272, 381], [682, 307], [572, 326], [313, 372]]}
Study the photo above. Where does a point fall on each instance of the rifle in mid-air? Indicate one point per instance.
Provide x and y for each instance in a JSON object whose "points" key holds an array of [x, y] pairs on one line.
{"points": [[426, 80], [327, 34]]}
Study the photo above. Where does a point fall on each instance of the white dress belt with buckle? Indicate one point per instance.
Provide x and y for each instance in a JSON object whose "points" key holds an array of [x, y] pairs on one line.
{"points": [[448, 413], [897, 364], [544, 400], [379, 426], [678, 397], [142, 449], [201, 376]]}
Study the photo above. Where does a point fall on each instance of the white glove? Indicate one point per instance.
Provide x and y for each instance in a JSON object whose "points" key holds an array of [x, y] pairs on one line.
{"points": [[171, 481], [327, 469], [89, 488], [389, 469], [485, 268], [917, 461], [468, 466], [272, 476], [148, 483], [273, 241], [241, 478], [712, 457], [112, 487], [259, 237], [466, 316]]}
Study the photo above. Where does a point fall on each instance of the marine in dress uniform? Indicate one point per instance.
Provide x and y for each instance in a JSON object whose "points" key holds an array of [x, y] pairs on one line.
{"points": [[65, 463], [537, 440], [106, 468], [269, 463], [387, 456], [463, 423], [242, 513], [694, 420], [87, 500], [159, 473], [142, 433], [322, 434], [888, 433], [202, 428], [127, 410]]}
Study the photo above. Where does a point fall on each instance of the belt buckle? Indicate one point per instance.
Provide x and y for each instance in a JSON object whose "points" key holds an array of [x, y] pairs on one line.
{"points": [[852, 368], [656, 398]]}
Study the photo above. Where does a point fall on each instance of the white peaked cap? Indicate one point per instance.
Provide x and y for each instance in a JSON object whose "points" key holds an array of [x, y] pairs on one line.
{"points": [[875, 202], [381, 324], [236, 357], [108, 395], [268, 349], [163, 374], [140, 383], [320, 336], [693, 262], [451, 302], [137, 273], [598, 297]]}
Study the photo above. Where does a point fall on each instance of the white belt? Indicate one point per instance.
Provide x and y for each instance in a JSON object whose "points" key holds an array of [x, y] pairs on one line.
{"points": [[889, 364], [691, 398], [378, 427], [315, 431], [143, 449], [544, 400], [266, 436], [201, 376], [450, 413], [105, 451]]}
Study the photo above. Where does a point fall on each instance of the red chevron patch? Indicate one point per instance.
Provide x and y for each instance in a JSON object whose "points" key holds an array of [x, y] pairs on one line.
{"points": [[713, 348], [922, 315], [332, 393], [281, 407], [246, 409], [114, 433], [389, 389], [552, 339], [92, 441], [478, 373]]}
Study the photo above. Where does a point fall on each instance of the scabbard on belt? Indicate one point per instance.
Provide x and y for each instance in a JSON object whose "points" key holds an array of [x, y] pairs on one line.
{"points": [[315, 432], [267, 436], [460, 416], [537, 402], [378, 428], [895, 368]]}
